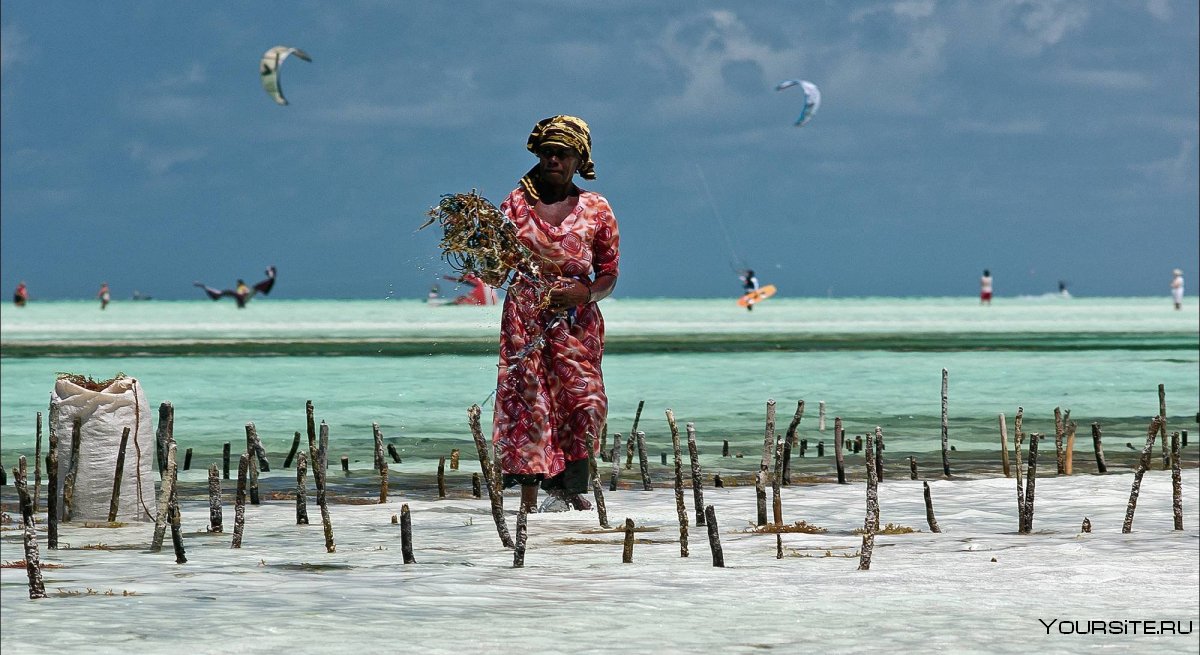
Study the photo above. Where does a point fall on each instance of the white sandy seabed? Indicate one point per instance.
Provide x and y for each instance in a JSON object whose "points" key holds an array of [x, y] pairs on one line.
{"points": [[977, 586]]}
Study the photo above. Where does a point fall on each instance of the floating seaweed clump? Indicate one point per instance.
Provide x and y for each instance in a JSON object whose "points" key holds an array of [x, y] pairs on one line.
{"points": [[798, 526], [478, 239]]}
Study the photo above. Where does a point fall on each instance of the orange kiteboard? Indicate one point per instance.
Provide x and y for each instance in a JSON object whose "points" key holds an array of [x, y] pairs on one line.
{"points": [[756, 296]]}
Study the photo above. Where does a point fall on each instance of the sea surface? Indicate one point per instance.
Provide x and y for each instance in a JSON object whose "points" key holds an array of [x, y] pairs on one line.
{"points": [[415, 369]]}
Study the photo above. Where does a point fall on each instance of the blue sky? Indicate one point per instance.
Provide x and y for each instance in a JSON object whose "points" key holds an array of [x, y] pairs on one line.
{"points": [[1044, 140]]}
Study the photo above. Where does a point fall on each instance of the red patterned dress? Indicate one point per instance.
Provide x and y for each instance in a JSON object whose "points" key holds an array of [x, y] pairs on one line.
{"points": [[553, 396]]}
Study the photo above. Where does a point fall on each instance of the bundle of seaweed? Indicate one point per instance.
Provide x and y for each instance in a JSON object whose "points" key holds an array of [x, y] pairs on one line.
{"points": [[478, 239], [88, 382]]}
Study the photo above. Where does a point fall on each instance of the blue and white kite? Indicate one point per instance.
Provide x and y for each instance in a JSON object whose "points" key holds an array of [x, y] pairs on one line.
{"points": [[812, 99]]}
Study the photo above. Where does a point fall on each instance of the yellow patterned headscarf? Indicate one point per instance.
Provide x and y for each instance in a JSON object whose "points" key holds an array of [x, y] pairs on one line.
{"points": [[563, 130]]}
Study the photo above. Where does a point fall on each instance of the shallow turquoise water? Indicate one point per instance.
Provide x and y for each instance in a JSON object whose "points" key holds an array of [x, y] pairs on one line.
{"points": [[711, 364]]}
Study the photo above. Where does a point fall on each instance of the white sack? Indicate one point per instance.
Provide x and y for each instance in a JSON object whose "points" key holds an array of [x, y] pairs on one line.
{"points": [[104, 414]]}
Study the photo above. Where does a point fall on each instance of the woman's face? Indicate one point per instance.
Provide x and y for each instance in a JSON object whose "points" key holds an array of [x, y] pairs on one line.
{"points": [[559, 163]]}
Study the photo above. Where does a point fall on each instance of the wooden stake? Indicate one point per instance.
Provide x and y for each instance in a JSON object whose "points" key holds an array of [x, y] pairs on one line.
{"points": [[301, 492], [1019, 437], [839, 447], [697, 474], [346, 464], [52, 480], [778, 546], [1142, 466], [878, 455], [381, 463], [645, 465], [493, 484], [796, 418], [164, 498], [633, 436], [717, 481], [239, 501], [1101, 467], [787, 463], [1059, 454], [441, 477], [187, 458], [1176, 483], [871, 521], [33, 564], [1004, 447], [1030, 480], [627, 550], [760, 496], [225, 461], [116, 492], [1086, 526], [768, 437], [72, 471], [872, 486], [37, 465], [522, 537], [214, 500], [291, 456], [821, 448], [680, 507], [251, 438], [173, 515], [714, 536], [166, 420], [776, 499], [912, 467], [725, 448], [1069, 457], [945, 424], [594, 478], [406, 543], [391, 448], [319, 460], [821, 415], [1162, 430], [475, 488], [616, 463], [933, 524]]}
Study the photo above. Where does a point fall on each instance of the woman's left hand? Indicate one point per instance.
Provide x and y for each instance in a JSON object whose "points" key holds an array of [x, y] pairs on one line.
{"points": [[568, 292]]}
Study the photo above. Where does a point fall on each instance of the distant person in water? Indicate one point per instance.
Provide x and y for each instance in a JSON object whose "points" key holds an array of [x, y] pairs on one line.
{"points": [[138, 295], [21, 295], [985, 288], [1062, 289], [749, 285], [1177, 288], [104, 295], [242, 293]]}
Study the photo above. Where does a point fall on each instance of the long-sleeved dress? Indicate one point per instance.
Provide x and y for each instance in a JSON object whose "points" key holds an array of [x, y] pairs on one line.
{"points": [[550, 398]]}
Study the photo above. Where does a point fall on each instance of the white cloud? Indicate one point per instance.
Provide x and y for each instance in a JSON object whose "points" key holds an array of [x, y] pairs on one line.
{"points": [[1008, 127], [903, 8], [194, 75], [1047, 22], [1115, 80], [1160, 9], [1176, 172], [13, 47], [160, 161]]}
